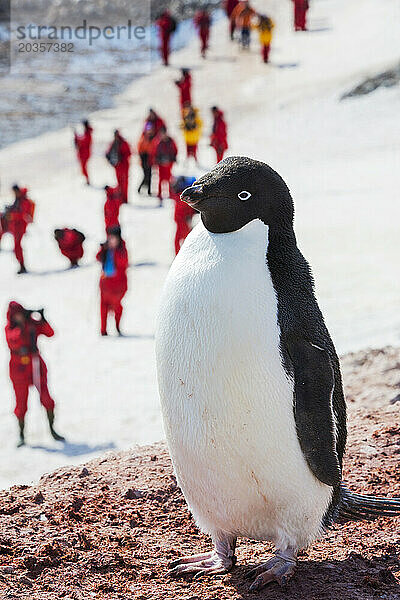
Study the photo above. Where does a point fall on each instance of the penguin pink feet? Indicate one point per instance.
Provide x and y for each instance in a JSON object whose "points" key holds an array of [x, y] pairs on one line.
{"points": [[218, 561], [279, 568]]}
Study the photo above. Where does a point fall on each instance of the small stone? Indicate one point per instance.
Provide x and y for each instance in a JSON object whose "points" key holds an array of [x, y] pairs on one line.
{"points": [[39, 498], [25, 581], [77, 504], [8, 570], [131, 494]]}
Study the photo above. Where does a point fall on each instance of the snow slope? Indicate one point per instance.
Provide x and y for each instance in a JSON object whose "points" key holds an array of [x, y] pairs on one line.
{"points": [[340, 159]]}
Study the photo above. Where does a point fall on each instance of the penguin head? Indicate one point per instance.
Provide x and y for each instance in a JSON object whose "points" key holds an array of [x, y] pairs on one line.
{"points": [[238, 190]]}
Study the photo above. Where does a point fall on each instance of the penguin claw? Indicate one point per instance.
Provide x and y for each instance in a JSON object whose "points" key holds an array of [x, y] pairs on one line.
{"points": [[209, 563], [184, 560], [276, 569]]}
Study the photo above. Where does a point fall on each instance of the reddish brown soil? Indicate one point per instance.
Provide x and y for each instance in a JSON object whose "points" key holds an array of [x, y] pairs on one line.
{"points": [[108, 530]]}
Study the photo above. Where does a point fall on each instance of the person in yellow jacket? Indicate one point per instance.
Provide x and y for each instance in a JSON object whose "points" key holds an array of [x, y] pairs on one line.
{"points": [[192, 126], [265, 27]]}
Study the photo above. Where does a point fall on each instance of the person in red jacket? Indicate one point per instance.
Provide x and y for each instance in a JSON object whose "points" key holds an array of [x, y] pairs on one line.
{"points": [[183, 213], [16, 219], [165, 153], [27, 367], [145, 151], [166, 26], [230, 6], [219, 139], [83, 145], [113, 281], [111, 206], [153, 123], [202, 21], [70, 242], [118, 155], [300, 14], [185, 88]]}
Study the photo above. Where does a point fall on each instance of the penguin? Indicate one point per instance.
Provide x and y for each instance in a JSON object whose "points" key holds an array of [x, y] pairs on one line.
{"points": [[249, 379]]}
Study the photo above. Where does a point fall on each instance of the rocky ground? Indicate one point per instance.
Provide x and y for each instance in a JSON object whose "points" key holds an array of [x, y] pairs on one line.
{"points": [[387, 79], [109, 529]]}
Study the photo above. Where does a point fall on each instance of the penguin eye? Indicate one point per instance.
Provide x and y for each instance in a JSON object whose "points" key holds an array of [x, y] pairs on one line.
{"points": [[244, 195]]}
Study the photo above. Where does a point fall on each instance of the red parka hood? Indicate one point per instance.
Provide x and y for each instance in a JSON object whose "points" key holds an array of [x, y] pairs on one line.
{"points": [[13, 309]]}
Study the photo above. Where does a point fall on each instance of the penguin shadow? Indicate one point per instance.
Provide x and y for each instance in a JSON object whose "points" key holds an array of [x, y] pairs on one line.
{"points": [[74, 449], [58, 271], [327, 579]]}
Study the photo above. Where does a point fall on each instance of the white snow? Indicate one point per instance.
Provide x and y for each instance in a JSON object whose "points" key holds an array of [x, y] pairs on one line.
{"points": [[340, 159]]}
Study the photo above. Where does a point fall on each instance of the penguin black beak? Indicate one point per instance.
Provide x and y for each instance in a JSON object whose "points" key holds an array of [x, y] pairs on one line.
{"points": [[193, 195]]}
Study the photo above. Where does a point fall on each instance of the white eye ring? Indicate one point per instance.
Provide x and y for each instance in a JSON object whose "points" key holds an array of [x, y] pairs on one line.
{"points": [[244, 195]]}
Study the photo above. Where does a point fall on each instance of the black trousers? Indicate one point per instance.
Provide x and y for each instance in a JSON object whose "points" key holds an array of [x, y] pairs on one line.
{"points": [[144, 159]]}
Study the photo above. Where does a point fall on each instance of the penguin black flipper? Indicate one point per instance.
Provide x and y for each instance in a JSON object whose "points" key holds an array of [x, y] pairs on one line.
{"points": [[314, 383]]}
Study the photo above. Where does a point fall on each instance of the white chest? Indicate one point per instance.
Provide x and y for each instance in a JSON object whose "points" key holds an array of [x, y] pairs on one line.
{"points": [[219, 292]]}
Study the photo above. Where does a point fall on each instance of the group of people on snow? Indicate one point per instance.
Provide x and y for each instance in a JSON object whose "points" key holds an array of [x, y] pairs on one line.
{"points": [[243, 18], [156, 150]]}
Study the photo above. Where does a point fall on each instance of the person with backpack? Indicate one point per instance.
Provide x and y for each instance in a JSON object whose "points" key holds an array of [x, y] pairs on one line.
{"points": [[219, 137], [185, 88], [113, 257], [243, 15], [192, 126], [265, 27], [145, 151], [27, 368], [165, 154], [83, 145], [183, 213], [300, 14], [16, 219], [118, 155], [70, 242], [166, 27], [202, 21], [111, 206]]}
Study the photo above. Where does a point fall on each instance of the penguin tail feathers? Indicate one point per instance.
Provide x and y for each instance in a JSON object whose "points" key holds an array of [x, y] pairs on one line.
{"points": [[357, 507]]}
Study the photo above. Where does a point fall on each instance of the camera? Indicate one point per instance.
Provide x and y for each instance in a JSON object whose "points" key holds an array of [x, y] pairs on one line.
{"points": [[36, 314]]}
